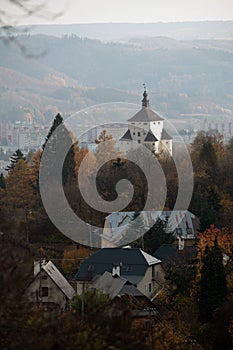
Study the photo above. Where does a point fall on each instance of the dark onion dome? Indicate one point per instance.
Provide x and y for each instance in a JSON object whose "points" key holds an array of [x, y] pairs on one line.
{"points": [[150, 137], [145, 114], [145, 100], [127, 136], [165, 135]]}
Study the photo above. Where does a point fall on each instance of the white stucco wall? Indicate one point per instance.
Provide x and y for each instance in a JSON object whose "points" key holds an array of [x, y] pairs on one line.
{"points": [[166, 146], [156, 279], [157, 127]]}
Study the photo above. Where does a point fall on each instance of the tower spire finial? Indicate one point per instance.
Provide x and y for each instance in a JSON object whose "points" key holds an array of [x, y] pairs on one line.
{"points": [[145, 100]]}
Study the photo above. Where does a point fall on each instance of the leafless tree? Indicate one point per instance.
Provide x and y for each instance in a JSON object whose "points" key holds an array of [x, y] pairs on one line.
{"points": [[13, 12]]}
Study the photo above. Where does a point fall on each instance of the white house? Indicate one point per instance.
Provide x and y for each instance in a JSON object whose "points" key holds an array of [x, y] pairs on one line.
{"points": [[146, 127], [142, 270], [182, 222]]}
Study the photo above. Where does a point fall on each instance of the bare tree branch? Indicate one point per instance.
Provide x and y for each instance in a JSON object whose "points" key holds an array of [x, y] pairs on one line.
{"points": [[14, 11]]}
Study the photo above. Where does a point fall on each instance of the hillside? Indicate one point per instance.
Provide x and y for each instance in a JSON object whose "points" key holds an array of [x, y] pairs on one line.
{"points": [[125, 31], [70, 73]]}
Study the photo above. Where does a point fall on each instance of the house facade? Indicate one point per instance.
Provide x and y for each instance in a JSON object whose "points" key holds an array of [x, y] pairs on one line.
{"points": [[132, 264], [146, 127], [49, 287]]}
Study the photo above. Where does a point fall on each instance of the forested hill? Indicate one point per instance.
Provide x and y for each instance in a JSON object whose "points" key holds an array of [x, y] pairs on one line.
{"points": [[44, 74]]}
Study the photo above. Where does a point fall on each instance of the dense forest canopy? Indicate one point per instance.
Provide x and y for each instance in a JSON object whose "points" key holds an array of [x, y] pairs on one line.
{"points": [[189, 316]]}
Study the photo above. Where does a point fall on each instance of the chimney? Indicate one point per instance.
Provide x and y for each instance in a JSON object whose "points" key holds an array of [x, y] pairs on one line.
{"points": [[37, 266], [116, 269], [181, 243]]}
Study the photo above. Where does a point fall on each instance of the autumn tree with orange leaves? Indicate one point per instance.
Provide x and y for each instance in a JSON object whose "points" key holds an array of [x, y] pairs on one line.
{"points": [[72, 259]]}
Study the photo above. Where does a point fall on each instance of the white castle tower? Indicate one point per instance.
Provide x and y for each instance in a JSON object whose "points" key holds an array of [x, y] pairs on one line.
{"points": [[146, 127]]}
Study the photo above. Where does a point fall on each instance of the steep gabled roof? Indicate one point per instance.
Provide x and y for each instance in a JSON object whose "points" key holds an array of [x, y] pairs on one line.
{"points": [[145, 115], [116, 223], [124, 292], [130, 289], [133, 264], [115, 286], [151, 260], [59, 279], [108, 284], [150, 137], [127, 136], [165, 135]]}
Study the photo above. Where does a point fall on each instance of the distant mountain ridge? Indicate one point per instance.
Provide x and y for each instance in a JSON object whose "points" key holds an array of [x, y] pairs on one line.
{"points": [[192, 77], [125, 31]]}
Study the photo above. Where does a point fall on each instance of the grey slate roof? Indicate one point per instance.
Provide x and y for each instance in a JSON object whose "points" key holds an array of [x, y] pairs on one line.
{"points": [[109, 285], [133, 261], [130, 289], [145, 115], [115, 286], [150, 137], [170, 252], [59, 279], [167, 252], [127, 136], [165, 135]]}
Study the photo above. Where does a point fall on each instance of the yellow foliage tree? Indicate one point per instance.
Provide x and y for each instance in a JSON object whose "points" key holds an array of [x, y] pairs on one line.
{"points": [[225, 242], [72, 259], [224, 238]]}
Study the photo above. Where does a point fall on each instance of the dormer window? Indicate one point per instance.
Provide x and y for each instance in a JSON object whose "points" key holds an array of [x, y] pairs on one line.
{"points": [[90, 268]]}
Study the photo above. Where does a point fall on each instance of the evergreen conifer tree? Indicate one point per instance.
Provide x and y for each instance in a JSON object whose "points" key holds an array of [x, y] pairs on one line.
{"points": [[2, 181], [58, 120], [134, 231], [157, 235], [213, 287], [209, 206], [18, 154], [58, 141]]}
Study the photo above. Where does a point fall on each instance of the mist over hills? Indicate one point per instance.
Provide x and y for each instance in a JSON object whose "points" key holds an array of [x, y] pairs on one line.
{"points": [[125, 31], [67, 73]]}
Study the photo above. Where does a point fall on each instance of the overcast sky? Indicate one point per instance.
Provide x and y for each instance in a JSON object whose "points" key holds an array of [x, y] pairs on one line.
{"points": [[87, 11]]}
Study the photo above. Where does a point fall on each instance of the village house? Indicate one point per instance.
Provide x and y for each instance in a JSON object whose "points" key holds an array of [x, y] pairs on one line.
{"points": [[49, 287], [123, 293], [182, 223], [132, 264]]}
